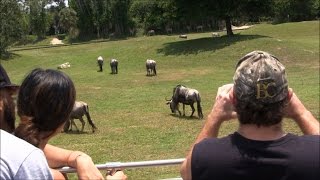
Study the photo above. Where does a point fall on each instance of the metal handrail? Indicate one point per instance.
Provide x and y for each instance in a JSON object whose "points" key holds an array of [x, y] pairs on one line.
{"points": [[127, 165]]}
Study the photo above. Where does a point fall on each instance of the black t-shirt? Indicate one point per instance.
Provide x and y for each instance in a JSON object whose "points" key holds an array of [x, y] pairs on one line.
{"points": [[236, 157]]}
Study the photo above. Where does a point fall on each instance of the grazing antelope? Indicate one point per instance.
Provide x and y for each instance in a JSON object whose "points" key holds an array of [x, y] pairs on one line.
{"points": [[151, 67], [100, 63], [114, 66], [186, 96], [79, 110]]}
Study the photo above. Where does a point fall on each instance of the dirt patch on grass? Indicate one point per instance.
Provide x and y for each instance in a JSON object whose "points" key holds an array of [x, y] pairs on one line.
{"points": [[240, 27], [56, 41]]}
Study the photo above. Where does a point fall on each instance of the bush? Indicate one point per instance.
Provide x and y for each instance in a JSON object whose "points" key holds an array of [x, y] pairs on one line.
{"points": [[27, 39]]}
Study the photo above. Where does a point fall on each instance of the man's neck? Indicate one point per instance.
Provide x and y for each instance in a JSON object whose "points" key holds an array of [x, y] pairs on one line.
{"points": [[262, 133]]}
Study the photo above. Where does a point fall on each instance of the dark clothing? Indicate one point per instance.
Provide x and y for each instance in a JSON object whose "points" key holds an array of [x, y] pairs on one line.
{"points": [[235, 157]]}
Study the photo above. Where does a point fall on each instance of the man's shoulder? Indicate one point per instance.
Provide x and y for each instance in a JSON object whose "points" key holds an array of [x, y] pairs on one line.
{"points": [[13, 140], [222, 141], [312, 139], [14, 146], [18, 157]]}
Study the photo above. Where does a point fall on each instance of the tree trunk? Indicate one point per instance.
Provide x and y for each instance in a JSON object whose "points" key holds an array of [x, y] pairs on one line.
{"points": [[117, 29], [98, 32], [228, 26]]}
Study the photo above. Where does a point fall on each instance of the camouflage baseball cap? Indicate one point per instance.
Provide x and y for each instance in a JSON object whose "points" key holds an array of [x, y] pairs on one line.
{"points": [[260, 78]]}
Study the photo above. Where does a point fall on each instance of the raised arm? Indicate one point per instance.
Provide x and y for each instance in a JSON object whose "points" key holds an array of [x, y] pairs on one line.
{"points": [[222, 110], [58, 157], [295, 110]]}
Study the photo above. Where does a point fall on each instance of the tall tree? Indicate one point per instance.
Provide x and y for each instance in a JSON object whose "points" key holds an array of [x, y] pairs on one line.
{"points": [[68, 19], [224, 9], [154, 14], [120, 16], [38, 17], [101, 17], [94, 16], [295, 10], [53, 12], [11, 25]]}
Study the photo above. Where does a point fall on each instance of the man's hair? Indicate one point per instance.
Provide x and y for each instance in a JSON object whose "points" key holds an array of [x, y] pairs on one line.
{"points": [[266, 115], [45, 101], [260, 89]]}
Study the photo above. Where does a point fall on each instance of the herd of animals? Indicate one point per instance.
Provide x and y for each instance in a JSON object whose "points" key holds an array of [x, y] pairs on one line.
{"points": [[181, 94], [169, 31]]}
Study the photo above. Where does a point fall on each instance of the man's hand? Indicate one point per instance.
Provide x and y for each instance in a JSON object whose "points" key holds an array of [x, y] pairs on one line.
{"points": [[299, 113], [294, 109], [223, 108]]}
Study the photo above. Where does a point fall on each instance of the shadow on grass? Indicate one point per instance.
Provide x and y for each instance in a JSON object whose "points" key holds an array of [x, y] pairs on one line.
{"points": [[8, 56], [94, 39], [185, 117], [195, 46], [76, 132]]}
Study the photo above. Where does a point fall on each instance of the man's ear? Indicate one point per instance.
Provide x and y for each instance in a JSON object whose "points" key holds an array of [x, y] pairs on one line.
{"points": [[232, 97]]}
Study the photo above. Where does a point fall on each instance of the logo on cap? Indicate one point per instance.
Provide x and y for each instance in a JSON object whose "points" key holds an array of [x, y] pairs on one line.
{"points": [[262, 90]]}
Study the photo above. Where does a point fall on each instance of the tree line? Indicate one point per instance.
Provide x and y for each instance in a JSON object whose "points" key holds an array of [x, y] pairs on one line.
{"points": [[90, 19]]}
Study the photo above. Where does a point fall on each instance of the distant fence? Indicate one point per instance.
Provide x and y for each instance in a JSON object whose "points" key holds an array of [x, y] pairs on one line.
{"points": [[129, 165]]}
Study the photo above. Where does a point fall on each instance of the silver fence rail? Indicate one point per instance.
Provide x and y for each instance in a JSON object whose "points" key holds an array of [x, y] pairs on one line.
{"points": [[129, 165]]}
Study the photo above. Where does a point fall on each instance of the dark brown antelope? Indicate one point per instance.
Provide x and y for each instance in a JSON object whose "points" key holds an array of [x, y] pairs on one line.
{"points": [[186, 96]]}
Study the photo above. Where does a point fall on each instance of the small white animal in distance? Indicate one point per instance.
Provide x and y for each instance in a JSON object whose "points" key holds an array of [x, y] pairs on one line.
{"points": [[183, 36], [215, 34], [64, 65]]}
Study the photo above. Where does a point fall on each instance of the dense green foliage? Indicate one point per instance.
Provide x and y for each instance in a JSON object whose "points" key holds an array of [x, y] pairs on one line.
{"points": [[156, 15], [39, 22], [102, 17], [295, 10], [11, 25], [68, 21], [134, 123], [96, 19]]}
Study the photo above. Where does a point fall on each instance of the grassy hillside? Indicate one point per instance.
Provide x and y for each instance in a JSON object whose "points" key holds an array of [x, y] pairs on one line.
{"points": [[134, 123]]}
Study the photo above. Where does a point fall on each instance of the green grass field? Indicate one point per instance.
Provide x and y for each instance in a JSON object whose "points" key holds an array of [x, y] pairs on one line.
{"points": [[134, 123]]}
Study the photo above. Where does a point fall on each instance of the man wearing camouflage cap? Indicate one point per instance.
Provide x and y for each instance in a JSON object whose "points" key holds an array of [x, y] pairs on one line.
{"points": [[259, 149]]}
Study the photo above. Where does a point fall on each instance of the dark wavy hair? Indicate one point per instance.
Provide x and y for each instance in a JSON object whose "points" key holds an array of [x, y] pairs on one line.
{"points": [[7, 116], [260, 114], [45, 101]]}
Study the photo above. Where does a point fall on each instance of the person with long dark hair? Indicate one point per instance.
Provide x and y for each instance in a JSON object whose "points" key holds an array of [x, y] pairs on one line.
{"points": [[45, 100], [18, 158]]}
